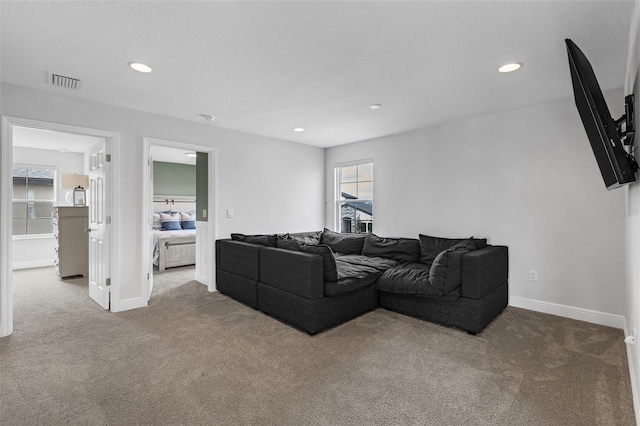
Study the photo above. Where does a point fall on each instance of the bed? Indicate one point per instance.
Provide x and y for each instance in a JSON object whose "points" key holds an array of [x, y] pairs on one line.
{"points": [[173, 248]]}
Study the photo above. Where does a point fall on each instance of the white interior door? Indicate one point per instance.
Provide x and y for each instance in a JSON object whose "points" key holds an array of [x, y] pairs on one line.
{"points": [[150, 224], [99, 202]]}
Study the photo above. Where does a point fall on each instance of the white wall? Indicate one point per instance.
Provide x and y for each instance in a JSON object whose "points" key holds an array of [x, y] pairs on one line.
{"points": [[28, 253], [632, 290], [526, 179], [272, 185]]}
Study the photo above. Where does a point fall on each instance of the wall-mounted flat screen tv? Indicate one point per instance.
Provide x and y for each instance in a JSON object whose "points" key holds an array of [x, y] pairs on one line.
{"points": [[605, 134]]}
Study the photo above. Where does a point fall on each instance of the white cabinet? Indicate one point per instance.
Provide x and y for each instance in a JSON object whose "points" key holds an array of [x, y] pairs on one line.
{"points": [[72, 241]]}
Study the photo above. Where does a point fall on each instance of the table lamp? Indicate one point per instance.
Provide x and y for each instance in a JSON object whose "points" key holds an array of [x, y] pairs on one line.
{"points": [[77, 183]]}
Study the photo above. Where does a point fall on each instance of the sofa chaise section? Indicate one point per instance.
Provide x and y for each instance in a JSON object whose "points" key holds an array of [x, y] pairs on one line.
{"points": [[292, 289], [482, 293]]}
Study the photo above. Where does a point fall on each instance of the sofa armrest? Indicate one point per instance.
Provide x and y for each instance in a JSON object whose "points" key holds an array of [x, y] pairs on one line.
{"points": [[238, 257], [484, 270], [292, 271]]}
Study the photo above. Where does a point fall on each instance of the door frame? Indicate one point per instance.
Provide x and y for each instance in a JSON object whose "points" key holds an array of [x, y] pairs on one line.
{"points": [[6, 240], [148, 142]]}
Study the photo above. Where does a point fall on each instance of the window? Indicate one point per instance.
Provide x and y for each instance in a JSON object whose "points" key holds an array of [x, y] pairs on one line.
{"points": [[354, 197], [33, 199]]}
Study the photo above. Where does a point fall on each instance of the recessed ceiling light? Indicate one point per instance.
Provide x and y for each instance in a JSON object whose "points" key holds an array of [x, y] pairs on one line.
{"points": [[207, 117], [298, 129], [510, 67], [140, 67], [191, 154], [375, 106]]}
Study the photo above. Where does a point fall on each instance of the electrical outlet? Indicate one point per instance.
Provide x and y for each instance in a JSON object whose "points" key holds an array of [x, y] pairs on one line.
{"points": [[533, 275], [229, 213], [204, 212]]}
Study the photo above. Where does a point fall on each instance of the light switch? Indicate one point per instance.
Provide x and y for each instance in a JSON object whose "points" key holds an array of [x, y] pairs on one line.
{"points": [[204, 212], [229, 213]]}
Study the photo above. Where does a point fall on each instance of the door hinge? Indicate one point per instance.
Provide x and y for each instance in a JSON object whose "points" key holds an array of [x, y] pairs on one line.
{"points": [[108, 282], [148, 276], [108, 158], [108, 220]]}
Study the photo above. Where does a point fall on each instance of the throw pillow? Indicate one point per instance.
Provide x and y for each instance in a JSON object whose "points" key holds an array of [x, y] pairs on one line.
{"points": [[400, 249], [170, 221], [329, 267], [343, 243], [445, 272], [187, 221]]}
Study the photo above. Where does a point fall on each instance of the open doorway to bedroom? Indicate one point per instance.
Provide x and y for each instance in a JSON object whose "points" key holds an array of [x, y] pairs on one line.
{"points": [[178, 182], [49, 202]]}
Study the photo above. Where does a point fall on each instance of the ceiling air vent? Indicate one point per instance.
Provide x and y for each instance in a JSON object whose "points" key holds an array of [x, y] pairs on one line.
{"points": [[64, 81]]}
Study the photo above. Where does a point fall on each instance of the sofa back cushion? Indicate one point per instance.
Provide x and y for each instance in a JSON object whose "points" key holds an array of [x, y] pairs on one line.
{"points": [[263, 240], [312, 238], [400, 249], [329, 268], [446, 270], [430, 247], [343, 243]]}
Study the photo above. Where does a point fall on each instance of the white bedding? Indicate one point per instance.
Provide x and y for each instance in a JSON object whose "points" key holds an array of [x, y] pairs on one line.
{"points": [[157, 234]]}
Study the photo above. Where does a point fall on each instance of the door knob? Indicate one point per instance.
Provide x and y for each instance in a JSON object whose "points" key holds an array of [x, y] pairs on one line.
{"points": [[89, 230]]}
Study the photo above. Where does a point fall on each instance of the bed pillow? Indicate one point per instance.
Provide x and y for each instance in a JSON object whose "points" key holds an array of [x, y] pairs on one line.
{"points": [[329, 267], [343, 243], [170, 222], [156, 221], [187, 221], [400, 249]]}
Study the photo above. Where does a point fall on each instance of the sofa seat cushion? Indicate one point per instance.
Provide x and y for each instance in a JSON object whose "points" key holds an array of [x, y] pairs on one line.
{"points": [[356, 272], [412, 279]]}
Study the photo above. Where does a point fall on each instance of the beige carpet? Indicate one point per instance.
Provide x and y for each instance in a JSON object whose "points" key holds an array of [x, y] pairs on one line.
{"points": [[199, 358]]}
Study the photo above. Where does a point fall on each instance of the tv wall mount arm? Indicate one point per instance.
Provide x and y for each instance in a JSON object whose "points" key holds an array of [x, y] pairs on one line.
{"points": [[629, 121]]}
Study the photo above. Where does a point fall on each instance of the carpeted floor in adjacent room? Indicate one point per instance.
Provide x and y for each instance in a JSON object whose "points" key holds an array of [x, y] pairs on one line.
{"points": [[199, 358]]}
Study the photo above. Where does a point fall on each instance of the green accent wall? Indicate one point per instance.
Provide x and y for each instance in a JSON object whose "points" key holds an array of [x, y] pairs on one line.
{"points": [[202, 185], [174, 179]]}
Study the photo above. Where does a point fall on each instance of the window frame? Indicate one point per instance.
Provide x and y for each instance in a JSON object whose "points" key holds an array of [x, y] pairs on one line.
{"points": [[26, 200], [337, 195]]}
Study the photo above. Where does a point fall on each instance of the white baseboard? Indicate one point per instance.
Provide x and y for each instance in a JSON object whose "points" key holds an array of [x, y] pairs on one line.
{"points": [[587, 315], [32, 264], [129, 304], [631, 356]]}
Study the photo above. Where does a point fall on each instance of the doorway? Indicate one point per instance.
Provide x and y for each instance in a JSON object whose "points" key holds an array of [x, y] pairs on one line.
{"points": [[29, 137], [198, 247]]}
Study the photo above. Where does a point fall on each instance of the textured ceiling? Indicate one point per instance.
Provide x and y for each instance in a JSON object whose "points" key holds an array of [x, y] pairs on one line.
{"points": [[267, 67]]}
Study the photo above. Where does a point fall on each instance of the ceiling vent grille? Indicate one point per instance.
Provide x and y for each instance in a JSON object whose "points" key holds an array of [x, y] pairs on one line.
{"points": [[64, 81]]}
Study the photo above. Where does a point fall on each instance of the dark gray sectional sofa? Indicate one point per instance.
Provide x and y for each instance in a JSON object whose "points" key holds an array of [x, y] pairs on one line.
{"points": [[317, 280]]}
